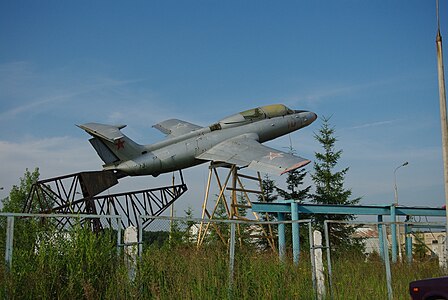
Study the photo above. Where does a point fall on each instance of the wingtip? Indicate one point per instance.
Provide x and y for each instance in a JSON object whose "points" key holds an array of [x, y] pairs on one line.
{"points": [[296, 166]]}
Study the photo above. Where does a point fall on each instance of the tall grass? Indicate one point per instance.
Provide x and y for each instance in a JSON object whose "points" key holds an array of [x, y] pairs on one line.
{"points": [[355, 277], [62, 266], [85, 265]]}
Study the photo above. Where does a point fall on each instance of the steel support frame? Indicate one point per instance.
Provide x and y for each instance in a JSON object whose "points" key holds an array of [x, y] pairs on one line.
{"points": [[77, 194], [232, 182]]}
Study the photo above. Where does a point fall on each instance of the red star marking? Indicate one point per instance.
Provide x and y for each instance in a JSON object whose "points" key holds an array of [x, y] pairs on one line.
{"points": [[119, 144], [273, 155]]}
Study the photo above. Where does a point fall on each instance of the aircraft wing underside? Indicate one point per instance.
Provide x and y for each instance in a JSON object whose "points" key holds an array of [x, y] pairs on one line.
{"points": [[175, 127], [245, 150]]}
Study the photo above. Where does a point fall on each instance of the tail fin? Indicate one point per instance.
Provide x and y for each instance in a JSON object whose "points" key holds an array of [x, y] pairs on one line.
{"points": [[111, 144]]}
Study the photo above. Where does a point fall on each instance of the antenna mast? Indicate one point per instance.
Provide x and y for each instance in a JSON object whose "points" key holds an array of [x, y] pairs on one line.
{"points": [[443, 120]]}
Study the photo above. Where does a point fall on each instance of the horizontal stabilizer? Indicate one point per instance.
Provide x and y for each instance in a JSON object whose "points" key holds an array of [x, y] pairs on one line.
{"points": [[175, 127], [111, 144], [110, 133]]}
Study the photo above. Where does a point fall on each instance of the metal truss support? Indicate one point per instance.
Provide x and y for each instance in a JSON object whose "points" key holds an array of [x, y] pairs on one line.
{"points": [[79, 194], [232, 206]]}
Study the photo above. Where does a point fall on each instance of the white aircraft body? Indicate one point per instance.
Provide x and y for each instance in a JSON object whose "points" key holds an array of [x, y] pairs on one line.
{"points": [[234, 140]]}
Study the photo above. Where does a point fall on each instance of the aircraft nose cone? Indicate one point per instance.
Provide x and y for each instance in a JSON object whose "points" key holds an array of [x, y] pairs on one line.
{"points": [[309, 117]]}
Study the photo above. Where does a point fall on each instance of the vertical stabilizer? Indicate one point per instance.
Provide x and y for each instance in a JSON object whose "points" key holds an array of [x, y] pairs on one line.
{"points": [[111, 144]]}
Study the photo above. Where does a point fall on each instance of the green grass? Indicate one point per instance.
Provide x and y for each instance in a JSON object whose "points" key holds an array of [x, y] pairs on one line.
{"points": [[88, 266]]}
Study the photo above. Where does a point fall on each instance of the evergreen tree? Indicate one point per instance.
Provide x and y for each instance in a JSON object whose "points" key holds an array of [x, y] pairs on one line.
{"points": [[267, 190], [294, 180], [219, 232], [189, 237], [329, 185], [242, 203]]}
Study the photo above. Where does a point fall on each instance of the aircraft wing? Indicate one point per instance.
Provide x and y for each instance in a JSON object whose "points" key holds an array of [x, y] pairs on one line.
{"points": [[245, 150], [175, 127]]}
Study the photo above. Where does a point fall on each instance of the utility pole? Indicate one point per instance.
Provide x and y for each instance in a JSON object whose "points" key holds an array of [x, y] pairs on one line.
{"points": [[396, 205], [395, 181], [443, 120]]}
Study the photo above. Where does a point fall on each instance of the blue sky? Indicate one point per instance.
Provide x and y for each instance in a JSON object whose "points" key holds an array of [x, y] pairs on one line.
{"points": [[371, 65]]}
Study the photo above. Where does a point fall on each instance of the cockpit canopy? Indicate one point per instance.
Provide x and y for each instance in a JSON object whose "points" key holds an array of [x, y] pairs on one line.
{"points": [[256, 114], [265, 112]]}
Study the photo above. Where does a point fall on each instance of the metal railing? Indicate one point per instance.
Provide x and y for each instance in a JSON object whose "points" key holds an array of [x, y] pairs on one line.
{"points": [[235, 234], [233, 238], [383, 245], [10, 224]]}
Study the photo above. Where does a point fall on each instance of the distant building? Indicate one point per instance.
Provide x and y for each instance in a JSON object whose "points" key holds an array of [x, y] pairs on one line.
{"points": [[434, 241], [369, 234]]}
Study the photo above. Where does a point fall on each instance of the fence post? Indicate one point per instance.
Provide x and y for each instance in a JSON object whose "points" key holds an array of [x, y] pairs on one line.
{"points": [[281, 237], [130, 243], [9, 241], [442, 257], [327, 245], [407, 229], [380, 236], [119, 239], [320, 276], [313, 261], [232, 258], [393, 233], [387, 263], [295, 232], [140, 236]]}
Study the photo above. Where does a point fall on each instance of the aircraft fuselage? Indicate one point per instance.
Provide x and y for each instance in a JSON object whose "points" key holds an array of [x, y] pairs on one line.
{"points": [[180, 152]]}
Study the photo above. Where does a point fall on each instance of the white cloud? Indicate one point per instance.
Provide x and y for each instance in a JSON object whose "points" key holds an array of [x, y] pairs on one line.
{"points": [[53, 156], [30, 91], [313, 95], [374, 124]]}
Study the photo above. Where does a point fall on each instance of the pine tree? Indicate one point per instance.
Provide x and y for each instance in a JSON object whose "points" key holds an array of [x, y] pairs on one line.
{"points": [[329, 185], [268, 190], [294, 180], [219, 232], [189, 236]]}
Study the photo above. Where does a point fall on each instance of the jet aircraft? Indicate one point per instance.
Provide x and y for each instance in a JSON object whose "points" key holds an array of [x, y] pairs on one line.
{"points": [[234, 140]]}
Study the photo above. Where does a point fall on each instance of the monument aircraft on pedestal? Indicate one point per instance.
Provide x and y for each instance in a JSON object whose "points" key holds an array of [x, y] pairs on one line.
{"points": [[235, 140]]}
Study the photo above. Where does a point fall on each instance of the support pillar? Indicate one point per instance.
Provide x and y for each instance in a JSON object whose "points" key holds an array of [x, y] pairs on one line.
{"points": [[233, 182], [393, 233], [295, 232], [380, 236], [407, 230], [281, 237], [130, 250], [9, 242]]}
